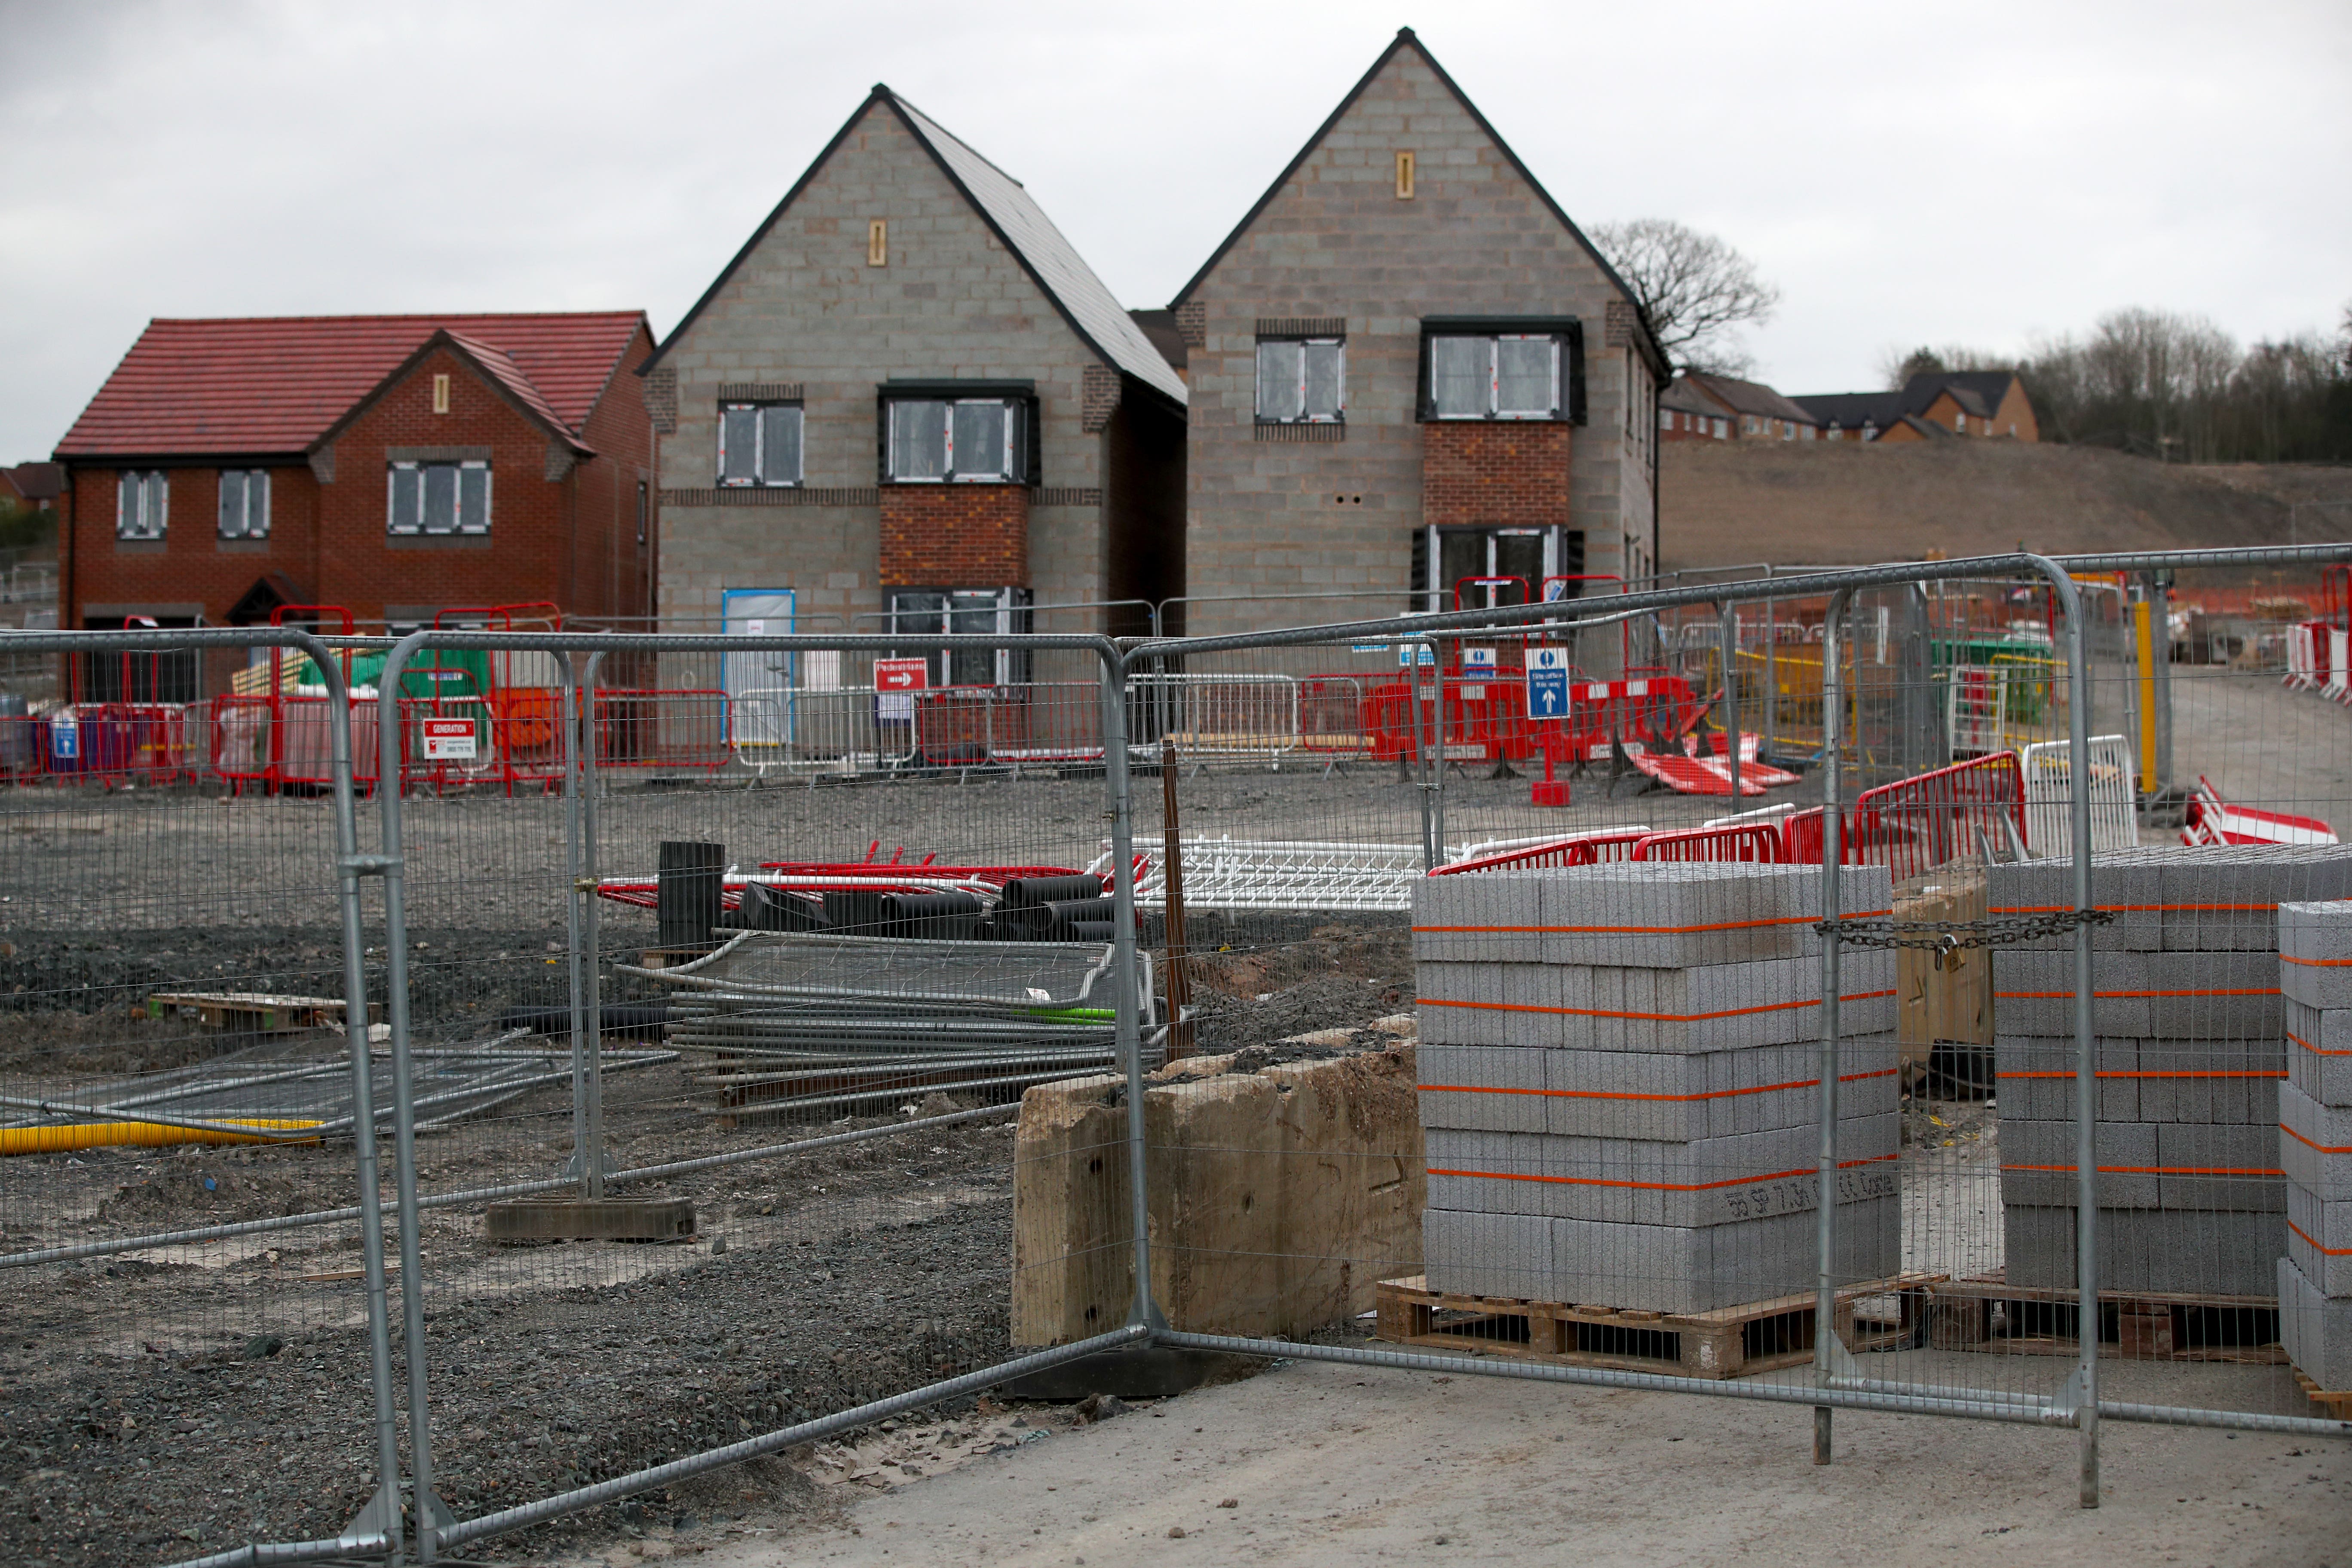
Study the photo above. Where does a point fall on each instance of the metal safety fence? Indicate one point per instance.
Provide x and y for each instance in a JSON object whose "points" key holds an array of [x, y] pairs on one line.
{"points": [[369, 1147]]}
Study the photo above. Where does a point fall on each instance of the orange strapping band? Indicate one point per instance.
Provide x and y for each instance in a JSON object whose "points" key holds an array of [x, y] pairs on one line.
{"points": [[1654, 1017], [2323, 1148], [1657, 1187], [2322, 1251], [2154, 1170], [2315, 963], [2115, 909], [2314, 1051], [1668, 1099], [2048, 995], [2068, 1074]]}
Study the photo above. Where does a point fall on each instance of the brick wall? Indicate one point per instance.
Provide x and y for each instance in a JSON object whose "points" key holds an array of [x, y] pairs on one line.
{"points": [[1495, 474], [954, 536], [570, 540]]}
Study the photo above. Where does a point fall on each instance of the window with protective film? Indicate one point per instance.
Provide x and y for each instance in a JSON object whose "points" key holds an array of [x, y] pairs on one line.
{"points": [[984, 439], [436, 499], [1302, 381], [1487, 367], [758, 444], [965, 612]]}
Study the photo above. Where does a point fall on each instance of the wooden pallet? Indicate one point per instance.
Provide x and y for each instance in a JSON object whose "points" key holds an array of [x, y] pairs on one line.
{"points": [[2334, 1406], [2139, 1325], [1730, 1342], [253, 1012]]}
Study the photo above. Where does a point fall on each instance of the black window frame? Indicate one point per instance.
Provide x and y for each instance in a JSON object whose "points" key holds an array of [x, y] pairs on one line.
{"points": [[1567, 331], [1012, 609], [1337, 340], [760, 479], [461, 528], [1020, 396]]}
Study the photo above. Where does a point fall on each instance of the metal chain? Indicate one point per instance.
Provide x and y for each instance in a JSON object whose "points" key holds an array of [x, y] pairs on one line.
{"points": [[1950, 936]]}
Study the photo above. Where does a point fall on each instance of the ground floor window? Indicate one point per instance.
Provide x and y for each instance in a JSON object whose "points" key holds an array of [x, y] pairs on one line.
{"points": [[1476, 568], [966, 612], [158, 676]]}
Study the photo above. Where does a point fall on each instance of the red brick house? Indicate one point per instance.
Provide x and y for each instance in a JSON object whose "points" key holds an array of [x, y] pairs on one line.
{"points": [[1700, 407], [396, 465]]}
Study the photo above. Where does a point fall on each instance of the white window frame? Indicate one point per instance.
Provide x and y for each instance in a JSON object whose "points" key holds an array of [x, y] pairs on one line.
{"points": [[1298, 413], [463, 526], [1495, 342], [143, 504], [256, 487], [1010, 458], [759, 479]]}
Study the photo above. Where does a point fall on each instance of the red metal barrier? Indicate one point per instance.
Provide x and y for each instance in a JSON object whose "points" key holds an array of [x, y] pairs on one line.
{"points": [[1916, 824], [1757, 842], [1487, 716], [1557, 853]]}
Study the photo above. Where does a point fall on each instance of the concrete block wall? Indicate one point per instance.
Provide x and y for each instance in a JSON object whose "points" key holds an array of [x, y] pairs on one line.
{"points": [[1620, 1081], [2193, 1064], [2315, 1140]]}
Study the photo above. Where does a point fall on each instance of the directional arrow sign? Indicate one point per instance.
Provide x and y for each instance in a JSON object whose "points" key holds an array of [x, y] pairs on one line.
{"points": [[1546, 683]]}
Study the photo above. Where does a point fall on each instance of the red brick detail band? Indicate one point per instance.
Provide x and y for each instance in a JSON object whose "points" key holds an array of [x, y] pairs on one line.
{"points": [[964, 536], [1497, 473]]}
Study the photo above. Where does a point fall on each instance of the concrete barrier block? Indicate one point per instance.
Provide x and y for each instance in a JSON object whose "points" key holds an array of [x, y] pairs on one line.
{"points": [[2318, 1051], [2316, 1144], [1495, 1088], [2037, 1162], [1487, 1254], [2036, 1078], [2196, 1251], [2221, 1168], [2319, 1239], [2315, 1329]]}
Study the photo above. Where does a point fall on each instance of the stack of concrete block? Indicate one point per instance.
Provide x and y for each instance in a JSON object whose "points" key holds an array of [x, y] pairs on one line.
{"points": [[2188, 1047], [2315, 1140], [1620, 1084]]}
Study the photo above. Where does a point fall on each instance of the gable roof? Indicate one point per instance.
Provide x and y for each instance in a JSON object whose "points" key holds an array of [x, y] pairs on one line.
{"points": [[1750, 397], [1684, 398], [497, 366], [35, 481], [1404, 39], [1852, 410], [277, 384], [1088, 307]]}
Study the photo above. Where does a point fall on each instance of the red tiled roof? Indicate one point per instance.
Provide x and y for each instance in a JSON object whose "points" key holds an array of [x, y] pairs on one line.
{"points": [[275, 383]]}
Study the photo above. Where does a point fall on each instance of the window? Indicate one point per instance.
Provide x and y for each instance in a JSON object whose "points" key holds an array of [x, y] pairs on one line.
{"points": [[960, 440], [1665, 418], [1514, 370], [1485, 567], [1301, 380], [245, 504], [439, 499], [1404, 177], [142, 503], [441, 395], [1723, 429], [877, 242], [758, 444], [966, 612]]}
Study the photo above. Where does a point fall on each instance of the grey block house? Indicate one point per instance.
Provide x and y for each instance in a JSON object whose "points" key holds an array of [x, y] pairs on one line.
{"points": [[907, 396], [1409, 370]]}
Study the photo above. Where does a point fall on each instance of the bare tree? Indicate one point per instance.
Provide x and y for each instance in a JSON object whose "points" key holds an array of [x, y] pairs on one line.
{"points": [[1898, 366], [1696, 289]]}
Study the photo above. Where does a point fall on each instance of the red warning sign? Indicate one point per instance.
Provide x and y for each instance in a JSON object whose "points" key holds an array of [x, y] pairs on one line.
{"points": [[448, 740], [901, 674]]}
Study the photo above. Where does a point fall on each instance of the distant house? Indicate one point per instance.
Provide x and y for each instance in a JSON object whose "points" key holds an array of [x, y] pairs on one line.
{"points": [[907, 398], [1930, 406], [1700, 407], [1411, 376], [32, 484], [399, 467]]}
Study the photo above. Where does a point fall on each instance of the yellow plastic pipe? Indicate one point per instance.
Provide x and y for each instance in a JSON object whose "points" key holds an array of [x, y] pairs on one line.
{"points": [[103, 1134]]}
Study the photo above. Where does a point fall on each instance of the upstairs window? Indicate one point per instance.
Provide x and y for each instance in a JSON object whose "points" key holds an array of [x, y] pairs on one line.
{"points": [[436, 500], [1500, 369], [758, 444], [1301, 380], [245, 504], [143, 501], [958, 441]]}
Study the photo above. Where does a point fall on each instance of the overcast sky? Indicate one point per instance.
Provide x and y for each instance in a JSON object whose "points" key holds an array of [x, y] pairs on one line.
{"points": [[1977, 172]]}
